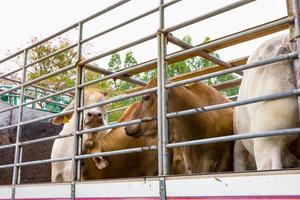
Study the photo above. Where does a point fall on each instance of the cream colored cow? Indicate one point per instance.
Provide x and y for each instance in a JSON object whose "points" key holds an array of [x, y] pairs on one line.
{"points": [[269, 152], [61, 171]]}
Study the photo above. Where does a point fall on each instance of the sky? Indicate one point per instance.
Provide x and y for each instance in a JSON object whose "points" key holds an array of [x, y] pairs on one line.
{"points": [[21, 20]]}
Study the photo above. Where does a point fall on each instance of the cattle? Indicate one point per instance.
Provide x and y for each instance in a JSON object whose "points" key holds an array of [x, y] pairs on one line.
{"points": [[267, 153], [117, 166], [214, 157], [93, 117]]}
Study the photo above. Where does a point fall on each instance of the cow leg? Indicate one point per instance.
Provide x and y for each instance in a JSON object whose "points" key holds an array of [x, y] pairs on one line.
{"points": [[267, 153], [240, 157], [273, 115]]}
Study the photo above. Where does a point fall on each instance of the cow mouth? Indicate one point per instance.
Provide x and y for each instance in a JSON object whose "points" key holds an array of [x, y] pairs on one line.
{"points": [[134, 134], [93, 123]]}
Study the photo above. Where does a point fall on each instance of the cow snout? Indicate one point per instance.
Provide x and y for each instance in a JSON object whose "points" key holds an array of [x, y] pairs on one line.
{"points": [[94, 115], [93, 119], [132, 131]]}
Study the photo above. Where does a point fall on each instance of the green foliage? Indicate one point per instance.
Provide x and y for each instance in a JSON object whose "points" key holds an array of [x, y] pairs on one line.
{"points": [[58, 82], [116, 63]]}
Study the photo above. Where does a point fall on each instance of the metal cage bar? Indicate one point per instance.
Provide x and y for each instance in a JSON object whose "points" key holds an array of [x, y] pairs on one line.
{"points": [[16, 169], [162, 121]]}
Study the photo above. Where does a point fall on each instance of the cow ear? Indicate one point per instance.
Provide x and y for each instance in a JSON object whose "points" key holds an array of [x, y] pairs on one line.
{"points": [[100, 162], [64, 119]]}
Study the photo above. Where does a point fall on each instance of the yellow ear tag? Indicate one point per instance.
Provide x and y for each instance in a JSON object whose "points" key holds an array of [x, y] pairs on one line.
{"points": [[66, 120]]}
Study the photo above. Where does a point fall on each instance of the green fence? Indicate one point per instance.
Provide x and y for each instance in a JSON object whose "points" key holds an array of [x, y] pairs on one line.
{"points": [[54, 104]]}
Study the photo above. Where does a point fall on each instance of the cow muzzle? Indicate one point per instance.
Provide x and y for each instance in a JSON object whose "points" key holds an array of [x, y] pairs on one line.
{"points": [[93, 119], [133, 131]]}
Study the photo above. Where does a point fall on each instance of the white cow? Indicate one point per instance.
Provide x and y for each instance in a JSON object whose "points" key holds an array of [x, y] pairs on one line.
{"points": [[269, 152], [61, 171]]}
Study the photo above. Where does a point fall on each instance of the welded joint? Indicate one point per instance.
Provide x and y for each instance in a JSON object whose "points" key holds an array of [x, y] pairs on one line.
{"points": [[162, 31], [77, 63]]}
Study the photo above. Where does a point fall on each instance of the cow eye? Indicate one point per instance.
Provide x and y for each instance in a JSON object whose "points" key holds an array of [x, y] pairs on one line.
{"points": [[146, 97]]}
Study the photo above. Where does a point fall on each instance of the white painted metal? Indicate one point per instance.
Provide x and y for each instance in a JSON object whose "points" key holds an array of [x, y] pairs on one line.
{"points": [[122, 188], [5, 192], [266, 185], [39, 191]]}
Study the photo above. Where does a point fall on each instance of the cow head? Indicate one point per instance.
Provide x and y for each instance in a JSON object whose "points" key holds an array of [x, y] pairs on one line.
{"points": [[91, 146], [146, 107], [93, 117], [94, 143]]}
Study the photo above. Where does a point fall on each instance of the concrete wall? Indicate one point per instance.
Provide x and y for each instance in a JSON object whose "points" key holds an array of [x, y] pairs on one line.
{"points": [[34, 173]]}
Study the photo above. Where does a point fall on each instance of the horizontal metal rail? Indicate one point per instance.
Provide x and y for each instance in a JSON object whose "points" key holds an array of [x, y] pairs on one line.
{"points": [[45, 139], [39, 79], [35, 86], [107, 72], [66, 29], [49, 75], [51, 55], [118, 152], [117, 74], [92, 130], [7, 146], [110, 153], [208, 15], [37, 162], [39, 60], [33, 97], [109, 8], [234, 104], [118, 98], [119, 25], [139, 41], [145, 14], [47, 117], [111, 100], [116, 109], [200, 53], [279, 58], [39, 99], [172, 145], [6, 166], [8, 127], [214, 43], [235, 137], [116, 125], [10, 73], [200, 78]]}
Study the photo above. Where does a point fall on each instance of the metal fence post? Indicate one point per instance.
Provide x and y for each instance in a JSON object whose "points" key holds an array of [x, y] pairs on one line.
{"points": [[294, 10], [19, 129], [162, 97], [77, 115]]}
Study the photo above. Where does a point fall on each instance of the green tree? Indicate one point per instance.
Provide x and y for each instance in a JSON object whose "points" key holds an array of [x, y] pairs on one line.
{"points": [[60, 81]]}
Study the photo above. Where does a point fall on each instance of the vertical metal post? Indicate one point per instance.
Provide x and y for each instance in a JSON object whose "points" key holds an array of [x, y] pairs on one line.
{"points": [[20, 160], [19, 128], [77, 116], [162, 97], [294, 9]]}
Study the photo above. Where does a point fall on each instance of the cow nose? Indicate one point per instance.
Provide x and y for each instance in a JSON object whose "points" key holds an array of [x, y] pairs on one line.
{"points": [[94, 115]]}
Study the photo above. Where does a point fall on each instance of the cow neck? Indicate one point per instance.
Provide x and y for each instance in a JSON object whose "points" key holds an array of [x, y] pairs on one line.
{"points": [[117, 139], [193, 96]]}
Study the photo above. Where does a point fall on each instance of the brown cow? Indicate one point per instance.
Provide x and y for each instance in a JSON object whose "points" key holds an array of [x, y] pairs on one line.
{"points": [[127, 165], [202, 158]]}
